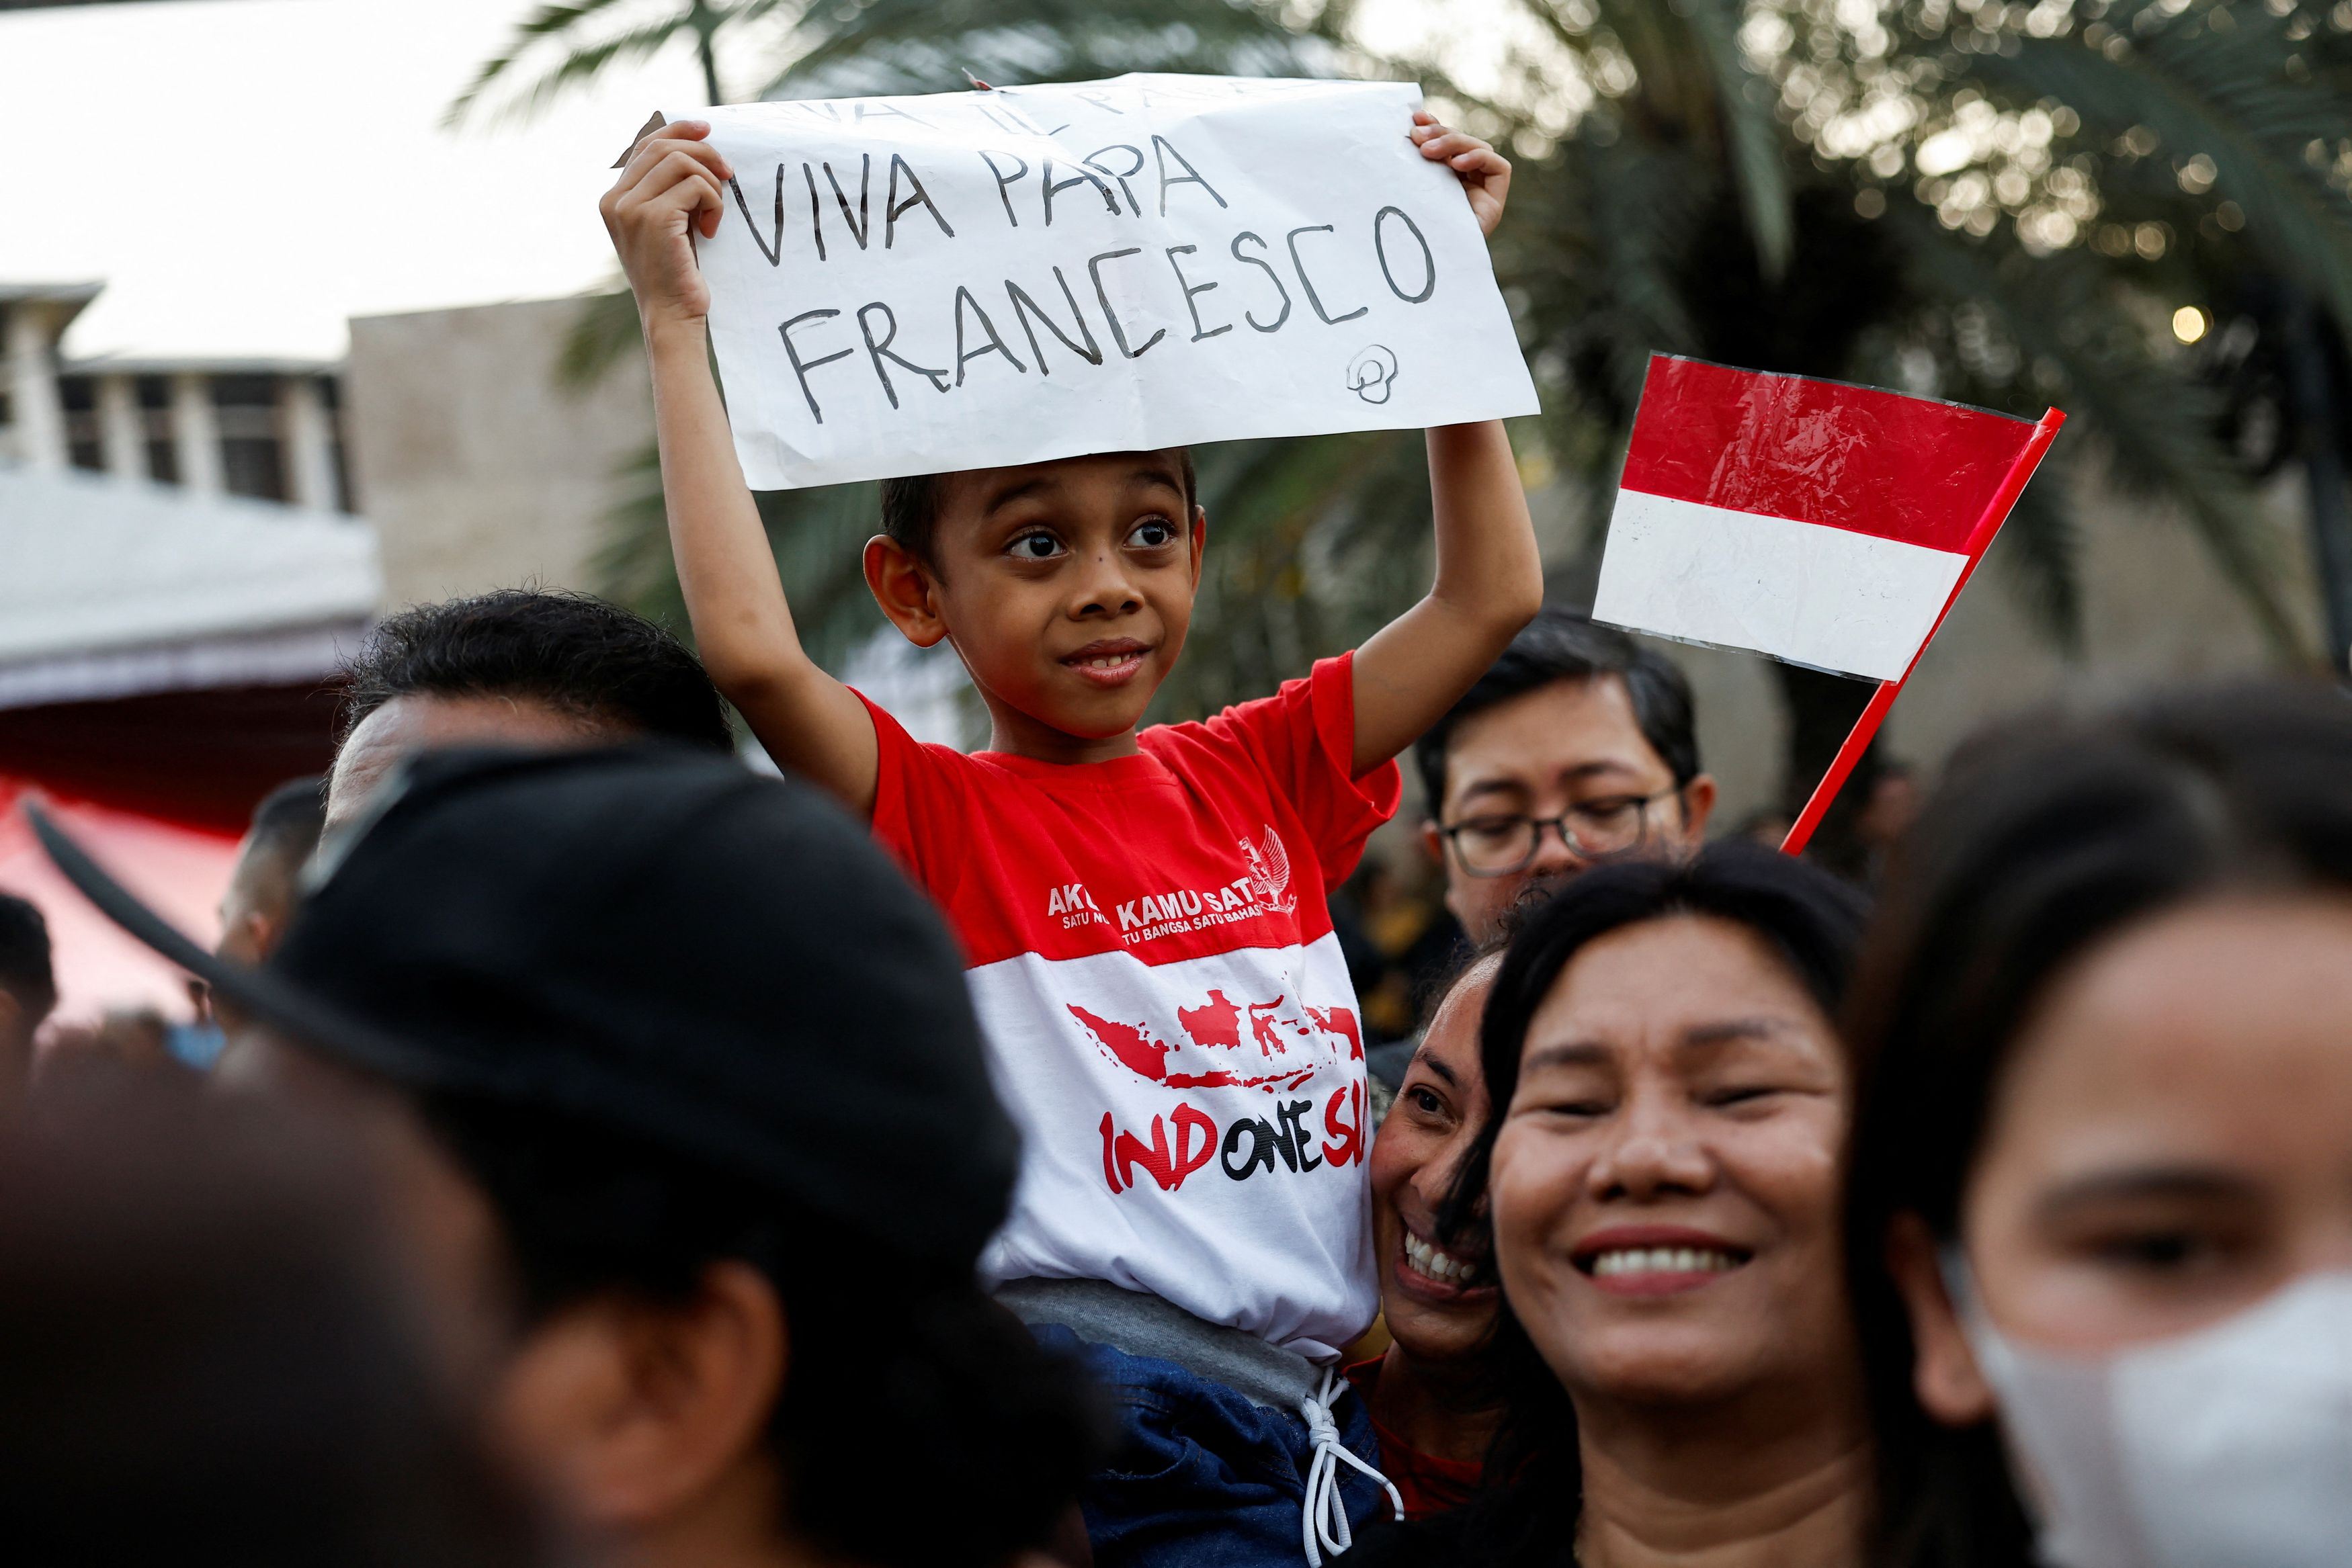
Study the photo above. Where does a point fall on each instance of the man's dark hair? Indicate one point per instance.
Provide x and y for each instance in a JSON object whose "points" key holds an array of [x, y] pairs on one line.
{"points": [[898, 1370], [1562, 644], [25, 971], [572, 652], [910, 505], [286, 824]]}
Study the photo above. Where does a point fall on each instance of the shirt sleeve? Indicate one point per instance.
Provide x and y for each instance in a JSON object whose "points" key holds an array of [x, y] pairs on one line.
{"points": [[1303, 739], [919, 804]]}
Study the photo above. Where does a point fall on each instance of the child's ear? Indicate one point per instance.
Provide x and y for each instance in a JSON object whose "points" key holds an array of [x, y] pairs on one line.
{"points": [[1200, 543], [903, 587]]}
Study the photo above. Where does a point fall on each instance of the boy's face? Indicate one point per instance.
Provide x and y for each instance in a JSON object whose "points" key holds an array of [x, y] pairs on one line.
{"points": [[1066, 586]]}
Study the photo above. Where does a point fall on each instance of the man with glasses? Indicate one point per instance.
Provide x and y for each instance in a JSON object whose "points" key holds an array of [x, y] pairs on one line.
{"points": [[1577, 747]]}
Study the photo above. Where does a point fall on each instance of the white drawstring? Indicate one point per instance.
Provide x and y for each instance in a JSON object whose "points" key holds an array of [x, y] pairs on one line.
{"points": [[1326, 1525]]}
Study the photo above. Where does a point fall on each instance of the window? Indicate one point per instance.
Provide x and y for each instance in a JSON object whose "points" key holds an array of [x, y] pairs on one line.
{"points": [[154, 396], [253, 453], [85, 442]]}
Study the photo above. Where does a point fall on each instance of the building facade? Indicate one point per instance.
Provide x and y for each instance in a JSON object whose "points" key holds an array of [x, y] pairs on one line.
{"points": [[181, 570]]}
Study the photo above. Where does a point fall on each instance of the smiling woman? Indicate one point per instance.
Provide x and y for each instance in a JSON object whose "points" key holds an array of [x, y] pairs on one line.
{"points": [[1679, 1366], [1431, 1394]]}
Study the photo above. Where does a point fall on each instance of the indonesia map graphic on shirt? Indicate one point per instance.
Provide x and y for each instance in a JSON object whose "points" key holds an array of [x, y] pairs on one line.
{"points": [[1167, 1014]]}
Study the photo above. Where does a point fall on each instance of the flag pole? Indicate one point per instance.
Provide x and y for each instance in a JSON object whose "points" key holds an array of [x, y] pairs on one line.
{"points": [[1874, 714]]}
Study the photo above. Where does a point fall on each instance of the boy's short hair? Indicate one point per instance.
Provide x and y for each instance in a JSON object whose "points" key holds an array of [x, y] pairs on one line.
{"points": [[910, 505], [573, 652], [1561, 645]]}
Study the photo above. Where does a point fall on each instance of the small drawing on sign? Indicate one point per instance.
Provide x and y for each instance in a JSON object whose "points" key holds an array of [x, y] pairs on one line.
{"points": [[1372, 373]]}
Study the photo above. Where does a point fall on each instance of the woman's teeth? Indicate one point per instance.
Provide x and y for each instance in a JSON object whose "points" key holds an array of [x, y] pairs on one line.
{"points": [[1664, 1260], [1428, 1261]]}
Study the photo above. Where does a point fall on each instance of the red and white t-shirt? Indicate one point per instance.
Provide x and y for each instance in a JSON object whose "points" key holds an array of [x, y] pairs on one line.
{"points": [[1167, 1013]]}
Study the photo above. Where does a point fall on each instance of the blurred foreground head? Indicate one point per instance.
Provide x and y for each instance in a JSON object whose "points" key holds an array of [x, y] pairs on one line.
{"points": [[28, 992], [2103, 1140], [210, 1356], [686, 1080], [535, 667]]}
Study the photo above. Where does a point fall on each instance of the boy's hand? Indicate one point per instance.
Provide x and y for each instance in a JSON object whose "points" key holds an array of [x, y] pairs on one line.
{"points": [[1485, 173], [673, 183]]}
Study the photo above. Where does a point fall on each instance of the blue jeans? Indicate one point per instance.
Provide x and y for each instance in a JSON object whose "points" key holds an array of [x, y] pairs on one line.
{"points": [[1204, 1478]]}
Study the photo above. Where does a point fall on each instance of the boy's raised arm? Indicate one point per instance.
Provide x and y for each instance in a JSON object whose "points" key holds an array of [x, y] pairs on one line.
{"points": [[1489, 576], [809, 722]]}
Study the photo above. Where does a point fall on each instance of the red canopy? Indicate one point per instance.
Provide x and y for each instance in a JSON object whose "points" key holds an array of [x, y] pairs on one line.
{"points": [[181, 871]]}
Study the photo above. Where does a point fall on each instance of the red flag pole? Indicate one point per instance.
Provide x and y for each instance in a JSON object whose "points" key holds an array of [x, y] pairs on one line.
{"points": [[1858, 740]]}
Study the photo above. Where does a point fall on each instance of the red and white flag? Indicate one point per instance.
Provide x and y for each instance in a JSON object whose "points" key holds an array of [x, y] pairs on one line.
{"points": [[1821, 523]]}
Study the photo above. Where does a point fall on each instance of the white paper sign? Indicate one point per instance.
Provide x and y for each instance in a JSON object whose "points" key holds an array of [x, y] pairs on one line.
{"points": [[921, 285]]}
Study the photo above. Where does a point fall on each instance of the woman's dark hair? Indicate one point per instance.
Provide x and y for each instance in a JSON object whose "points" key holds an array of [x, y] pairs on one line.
{"points": [[2045, 838], [895, 1371], [1528, 1512]]}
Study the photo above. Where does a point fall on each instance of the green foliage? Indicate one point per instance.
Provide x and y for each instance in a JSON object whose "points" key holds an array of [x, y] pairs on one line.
{"points": [[1993, 202]]}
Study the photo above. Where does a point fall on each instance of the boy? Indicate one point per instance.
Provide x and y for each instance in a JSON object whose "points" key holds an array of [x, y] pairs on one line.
{"points": [[1143, 915]]}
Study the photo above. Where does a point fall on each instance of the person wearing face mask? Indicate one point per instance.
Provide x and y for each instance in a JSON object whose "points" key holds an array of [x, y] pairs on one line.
{"points": [[2100, 1210], [1673, 1348], [1434, 1404]]}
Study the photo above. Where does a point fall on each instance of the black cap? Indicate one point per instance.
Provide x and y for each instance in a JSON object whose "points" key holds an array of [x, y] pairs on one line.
{"points": [[718, 963]]}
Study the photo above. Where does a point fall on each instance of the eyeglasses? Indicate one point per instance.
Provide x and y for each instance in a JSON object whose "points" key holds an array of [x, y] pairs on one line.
{"points": [[1590, 830]]}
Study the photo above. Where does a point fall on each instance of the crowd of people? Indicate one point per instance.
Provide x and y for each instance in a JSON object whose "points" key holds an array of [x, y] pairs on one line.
{"points": [[620, 1156]]}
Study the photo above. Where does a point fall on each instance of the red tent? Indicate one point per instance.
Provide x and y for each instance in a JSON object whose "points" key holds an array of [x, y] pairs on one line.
{"points": [[181, 871], [166, 660]]}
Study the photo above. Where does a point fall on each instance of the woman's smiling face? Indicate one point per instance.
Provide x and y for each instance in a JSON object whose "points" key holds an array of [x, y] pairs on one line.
{"points": [[1666, 1177], [1437, 1294]]}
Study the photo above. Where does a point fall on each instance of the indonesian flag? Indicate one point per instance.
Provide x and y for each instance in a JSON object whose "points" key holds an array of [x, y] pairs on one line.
{"points": [[1823, 524]]}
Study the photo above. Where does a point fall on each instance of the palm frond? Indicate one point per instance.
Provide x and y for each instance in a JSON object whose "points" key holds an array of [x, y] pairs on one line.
{"points": [[2221, 93], [1755, 144], [582, 64], [632, 566], [2039, 551], [550, 21], [604, 330], [2155, 428], [912, 46]]}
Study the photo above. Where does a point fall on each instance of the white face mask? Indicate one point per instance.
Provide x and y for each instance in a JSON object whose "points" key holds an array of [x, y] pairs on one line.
{"points": [[2227, 1448]]}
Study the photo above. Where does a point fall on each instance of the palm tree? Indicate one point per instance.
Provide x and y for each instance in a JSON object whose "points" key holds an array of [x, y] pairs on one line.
{"points": [[1998, 203], [578, 41], [1997, 206]]}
